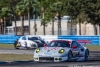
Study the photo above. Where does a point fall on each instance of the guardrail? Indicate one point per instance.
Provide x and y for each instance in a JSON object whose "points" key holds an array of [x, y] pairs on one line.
{"points": [[95, 40], [9, 39]]}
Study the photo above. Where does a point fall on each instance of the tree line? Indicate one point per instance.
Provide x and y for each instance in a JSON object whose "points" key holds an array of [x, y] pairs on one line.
{"points": [[78, 10]]}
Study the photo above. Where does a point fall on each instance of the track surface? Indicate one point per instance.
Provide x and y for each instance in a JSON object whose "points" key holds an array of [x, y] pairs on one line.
{"points": [[93, 62], [61, 64], [16, 51], [23, 51]]}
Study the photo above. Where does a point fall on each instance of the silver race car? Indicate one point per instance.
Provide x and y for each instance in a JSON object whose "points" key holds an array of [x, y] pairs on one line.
{"points": [[61, 50], [29, 41]]}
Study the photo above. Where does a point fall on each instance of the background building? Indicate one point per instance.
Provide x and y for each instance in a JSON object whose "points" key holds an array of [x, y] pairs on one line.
{"points": [[66, 27]]}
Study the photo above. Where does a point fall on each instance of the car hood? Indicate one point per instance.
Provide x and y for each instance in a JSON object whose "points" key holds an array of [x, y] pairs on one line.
{"points": [[51, 51]]}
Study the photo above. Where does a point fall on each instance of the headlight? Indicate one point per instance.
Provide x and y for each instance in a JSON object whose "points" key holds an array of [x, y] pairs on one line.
{"points": [[37, 50], [61, 51]]}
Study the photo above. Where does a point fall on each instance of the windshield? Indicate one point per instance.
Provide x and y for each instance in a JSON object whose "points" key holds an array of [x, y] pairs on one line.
{"points": [[33, 38], [58, 44]]}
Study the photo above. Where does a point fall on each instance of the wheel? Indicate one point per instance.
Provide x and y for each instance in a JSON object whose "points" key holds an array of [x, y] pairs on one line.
{"points": [[26, 45], [70, 56], [15, 45], [86, 55]]}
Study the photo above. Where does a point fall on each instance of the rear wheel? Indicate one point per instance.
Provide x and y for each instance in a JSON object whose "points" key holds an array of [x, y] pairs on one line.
{"points": [[86, 55], [26, 45]]}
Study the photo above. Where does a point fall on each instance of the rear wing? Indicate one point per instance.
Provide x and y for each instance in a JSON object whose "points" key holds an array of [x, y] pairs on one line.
{"points": [[84, 42]]}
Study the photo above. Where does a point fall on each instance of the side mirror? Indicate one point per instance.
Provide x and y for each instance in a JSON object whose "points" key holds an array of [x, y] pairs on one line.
{"points": [[44, 45], [74, 47]]}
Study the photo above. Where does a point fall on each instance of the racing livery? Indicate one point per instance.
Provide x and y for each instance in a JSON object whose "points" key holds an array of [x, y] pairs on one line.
{"points": [[61, 50], [29, 41]]}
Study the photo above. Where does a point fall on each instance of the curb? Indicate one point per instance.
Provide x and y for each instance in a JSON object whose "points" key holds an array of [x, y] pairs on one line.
{"points": [[14, 62]]}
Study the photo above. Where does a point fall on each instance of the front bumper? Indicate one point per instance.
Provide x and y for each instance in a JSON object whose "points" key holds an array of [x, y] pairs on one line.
{"points": [[50, 59]]}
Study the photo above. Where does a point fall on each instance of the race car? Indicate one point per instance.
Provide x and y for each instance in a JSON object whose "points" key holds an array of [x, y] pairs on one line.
{"points": [[61, 50], [29, 41]]}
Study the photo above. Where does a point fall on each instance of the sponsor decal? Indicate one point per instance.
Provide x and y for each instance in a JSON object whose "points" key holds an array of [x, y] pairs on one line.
{"points": [[84, 41], [55, 48]]}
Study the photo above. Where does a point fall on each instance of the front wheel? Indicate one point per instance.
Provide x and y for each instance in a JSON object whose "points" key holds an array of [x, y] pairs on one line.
{"points": [[86, 55], [15, 46], [70, 56]]}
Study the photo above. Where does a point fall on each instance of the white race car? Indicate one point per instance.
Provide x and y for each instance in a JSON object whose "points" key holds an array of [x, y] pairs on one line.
{"points": [[61, 50], [29, 41]]}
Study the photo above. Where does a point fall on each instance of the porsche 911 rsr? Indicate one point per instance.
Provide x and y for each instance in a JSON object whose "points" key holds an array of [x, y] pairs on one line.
{"points": [[29, 41], [61, 50]]}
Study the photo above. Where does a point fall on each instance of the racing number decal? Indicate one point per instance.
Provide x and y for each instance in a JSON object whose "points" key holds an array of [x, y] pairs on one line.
{"points": [[55, 48], [47, 48]]}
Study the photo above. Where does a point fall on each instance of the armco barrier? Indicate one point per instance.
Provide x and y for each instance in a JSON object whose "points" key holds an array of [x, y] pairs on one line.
{"points": [[8, 39], [95, 40]]}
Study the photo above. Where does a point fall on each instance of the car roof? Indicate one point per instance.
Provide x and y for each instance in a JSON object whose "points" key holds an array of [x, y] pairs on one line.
{"points": [[32, 36], [63, 40]]}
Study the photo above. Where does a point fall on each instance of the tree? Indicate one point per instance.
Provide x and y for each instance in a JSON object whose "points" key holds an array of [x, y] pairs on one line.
{"points": [[12, 7], [20, 8], [30, 5], [93, 11], [49, 15], [59, 9], [52, 8], [44, 5], [76, 10], [5, 12]]}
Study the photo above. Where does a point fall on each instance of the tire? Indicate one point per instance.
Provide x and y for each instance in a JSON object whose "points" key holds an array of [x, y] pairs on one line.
{"points": [[86, 55], [15, 45], [70, 55], [26, 45]]}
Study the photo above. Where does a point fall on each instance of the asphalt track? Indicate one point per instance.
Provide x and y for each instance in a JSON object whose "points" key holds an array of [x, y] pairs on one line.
{"points": [[60, 64], [94, 60], [16, 51]]}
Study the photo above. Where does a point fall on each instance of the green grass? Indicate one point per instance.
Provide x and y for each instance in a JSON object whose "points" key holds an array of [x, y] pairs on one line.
{"points": [[15, 57], [6, 46], [93, 47]]}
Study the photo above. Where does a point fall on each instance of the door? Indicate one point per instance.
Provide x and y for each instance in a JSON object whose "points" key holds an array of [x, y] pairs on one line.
{"points": [[81, 50], [75, 49]]}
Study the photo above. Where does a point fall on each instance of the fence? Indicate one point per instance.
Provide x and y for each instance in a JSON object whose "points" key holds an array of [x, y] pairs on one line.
{"points": [[9, 39]]}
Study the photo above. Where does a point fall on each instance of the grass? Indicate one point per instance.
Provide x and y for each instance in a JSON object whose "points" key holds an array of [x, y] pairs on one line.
{"points": [[90, 47], [15, 57], [6, 46], [93, 47]]}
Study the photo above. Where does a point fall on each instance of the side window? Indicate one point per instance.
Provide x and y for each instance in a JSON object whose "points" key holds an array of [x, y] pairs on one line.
{"points": [[66, 44], [74, 44], [40, 38], [23, 38], [78, 44]]}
